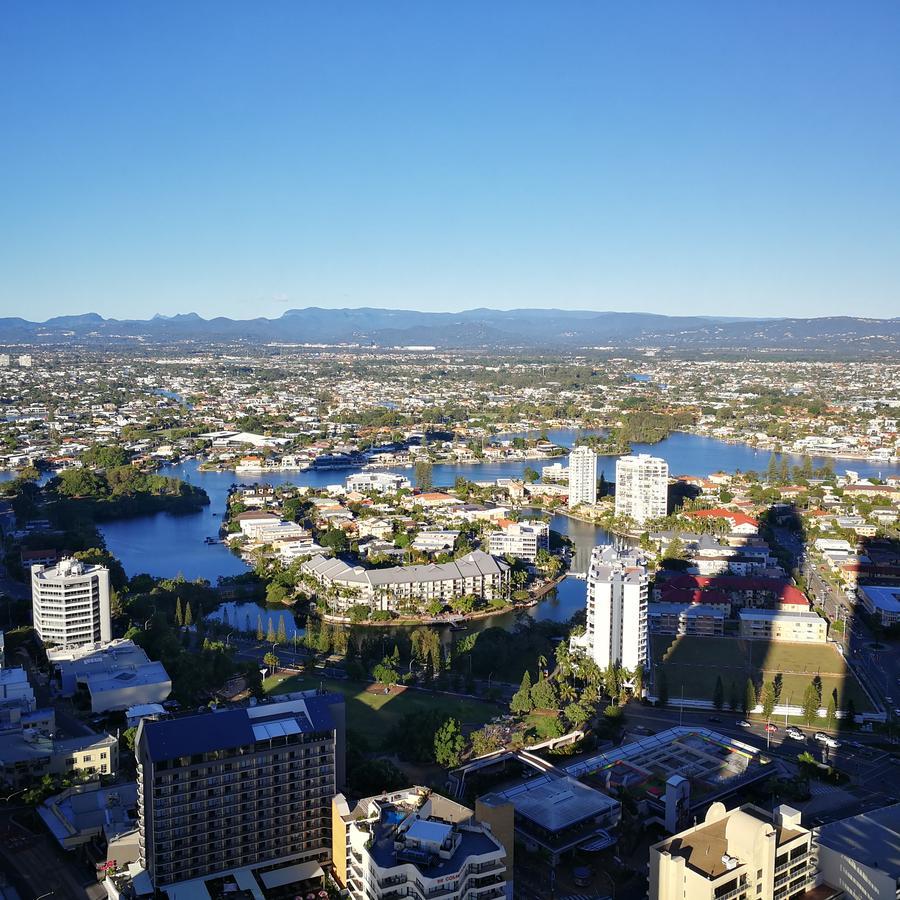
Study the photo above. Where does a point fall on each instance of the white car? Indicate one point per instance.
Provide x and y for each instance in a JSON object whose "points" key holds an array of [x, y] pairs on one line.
{"points": [[795, 734], [827, 740], [744, 724]]}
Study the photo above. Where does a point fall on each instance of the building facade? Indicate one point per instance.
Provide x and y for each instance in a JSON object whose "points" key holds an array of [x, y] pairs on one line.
{"points": [[223, 790], [642, 487], [70, 603], [617, 597], [521, 539], [582, 476], [415, 843], [409, 587], [778, 625], [747, 854]]}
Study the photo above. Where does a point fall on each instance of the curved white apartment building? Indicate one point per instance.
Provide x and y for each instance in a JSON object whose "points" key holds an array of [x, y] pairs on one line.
{"points": [[70, 603]]}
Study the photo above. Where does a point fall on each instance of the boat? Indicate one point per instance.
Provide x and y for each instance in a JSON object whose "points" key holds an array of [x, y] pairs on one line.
{"points": [[211, 540]]}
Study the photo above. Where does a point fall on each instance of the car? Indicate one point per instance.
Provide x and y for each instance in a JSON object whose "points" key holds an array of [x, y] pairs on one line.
{"points": [[795, 734], [771, 728], [744, 724], [713, 719], [827, 740], [583, 875]]}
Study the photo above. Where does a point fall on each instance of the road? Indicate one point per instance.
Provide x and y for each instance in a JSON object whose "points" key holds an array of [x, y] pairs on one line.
{"points": [[37, 865]]}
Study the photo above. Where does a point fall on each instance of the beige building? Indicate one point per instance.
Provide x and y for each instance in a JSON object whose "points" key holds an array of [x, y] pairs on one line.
{"points": [[802, 626], [745, 854]]}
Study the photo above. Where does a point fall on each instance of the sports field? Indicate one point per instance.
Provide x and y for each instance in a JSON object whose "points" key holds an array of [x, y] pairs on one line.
{"points": [[694, 662]]}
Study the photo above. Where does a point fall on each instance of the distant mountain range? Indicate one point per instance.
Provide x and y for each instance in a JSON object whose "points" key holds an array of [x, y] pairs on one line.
{"points": [[528, 329]]}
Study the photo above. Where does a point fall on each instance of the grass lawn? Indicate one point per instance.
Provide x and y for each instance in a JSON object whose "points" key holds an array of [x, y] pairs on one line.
{"points": [[695, 661], [540, 727], [373, 713]]}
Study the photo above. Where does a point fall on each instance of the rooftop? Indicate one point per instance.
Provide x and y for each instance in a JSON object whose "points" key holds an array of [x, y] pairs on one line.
{"points": [[872, 839]]}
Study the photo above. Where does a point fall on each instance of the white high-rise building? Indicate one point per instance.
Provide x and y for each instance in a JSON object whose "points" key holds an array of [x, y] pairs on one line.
{"points": [[642, 485], [617, 592], [582, 476], [70, 602]]}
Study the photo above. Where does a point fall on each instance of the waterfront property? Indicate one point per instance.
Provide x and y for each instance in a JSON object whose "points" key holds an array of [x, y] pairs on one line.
{"points": [[402, 588], [521, 539], [642, 484], [70, 603], [386, 844], [617, 591]]}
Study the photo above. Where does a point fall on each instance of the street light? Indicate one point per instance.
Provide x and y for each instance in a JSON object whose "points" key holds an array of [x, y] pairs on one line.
{"points": [[13, 794], [227, 636], [45, 895]]}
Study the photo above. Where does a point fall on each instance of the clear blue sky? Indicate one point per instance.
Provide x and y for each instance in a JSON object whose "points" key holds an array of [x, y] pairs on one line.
{"points": [[243, 158]]}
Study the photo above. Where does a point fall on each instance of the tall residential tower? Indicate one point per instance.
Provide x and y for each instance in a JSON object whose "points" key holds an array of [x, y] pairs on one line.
{"points": [[70, 603], [582, 476], [617, 591], [642, 484]]}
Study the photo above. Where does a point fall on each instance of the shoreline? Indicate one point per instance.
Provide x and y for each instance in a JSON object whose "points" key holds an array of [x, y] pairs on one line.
{"points": [[537, 595]]}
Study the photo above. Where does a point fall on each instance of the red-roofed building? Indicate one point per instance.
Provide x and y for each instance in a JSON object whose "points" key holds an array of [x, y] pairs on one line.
{"points": [[740, 523], [741, 590]]}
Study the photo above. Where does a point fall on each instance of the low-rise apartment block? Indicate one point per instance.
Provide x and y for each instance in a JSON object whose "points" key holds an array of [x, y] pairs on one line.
{"points": [[745, 854], [778, 625], [521, 539]]}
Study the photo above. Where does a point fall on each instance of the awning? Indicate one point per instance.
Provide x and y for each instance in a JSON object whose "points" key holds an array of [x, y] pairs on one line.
{"points": [[276, 878]]}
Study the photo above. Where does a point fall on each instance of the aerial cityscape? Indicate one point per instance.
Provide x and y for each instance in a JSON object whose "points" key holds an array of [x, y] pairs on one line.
{"points": [[450, 452]]}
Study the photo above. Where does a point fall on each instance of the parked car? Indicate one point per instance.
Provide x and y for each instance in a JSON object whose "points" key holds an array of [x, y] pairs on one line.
{"points": [[771, 728], [744, 724], [795, 734]]}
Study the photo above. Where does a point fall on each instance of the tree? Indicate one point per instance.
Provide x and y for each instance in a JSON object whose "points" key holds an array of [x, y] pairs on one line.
{"points": [[810, 704], [487, 740], [423, 473], [270, 632], [188, 615], [529, 475], [449, 744], [750, 699], [281, 637], [577, 714], [385, 673], [259, 628], [276, 592], [335, 539], [718, 693], [179, 616], [521, 701], [831, 713], [733, 698], [271, 660], [543, 694], [767, 699]]}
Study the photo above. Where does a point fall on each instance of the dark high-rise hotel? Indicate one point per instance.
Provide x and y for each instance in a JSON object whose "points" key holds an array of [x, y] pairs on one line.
{"points": [[239, 787]]}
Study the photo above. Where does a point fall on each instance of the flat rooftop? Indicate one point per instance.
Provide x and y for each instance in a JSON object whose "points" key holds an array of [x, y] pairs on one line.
{"points": [[872, 839], [715, 764]]}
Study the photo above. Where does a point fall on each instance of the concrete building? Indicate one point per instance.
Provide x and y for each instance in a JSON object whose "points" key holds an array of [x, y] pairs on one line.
{"points": [[476, 573], [70, 603], [26, 756], [617, 594], [240, 787], [779, 625], [861, 855], [378, 482], [521, 539], [745, 853], [582, 476], [881, 601], [416, 843], [686, 618], [642, 487], [114, 676]]}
